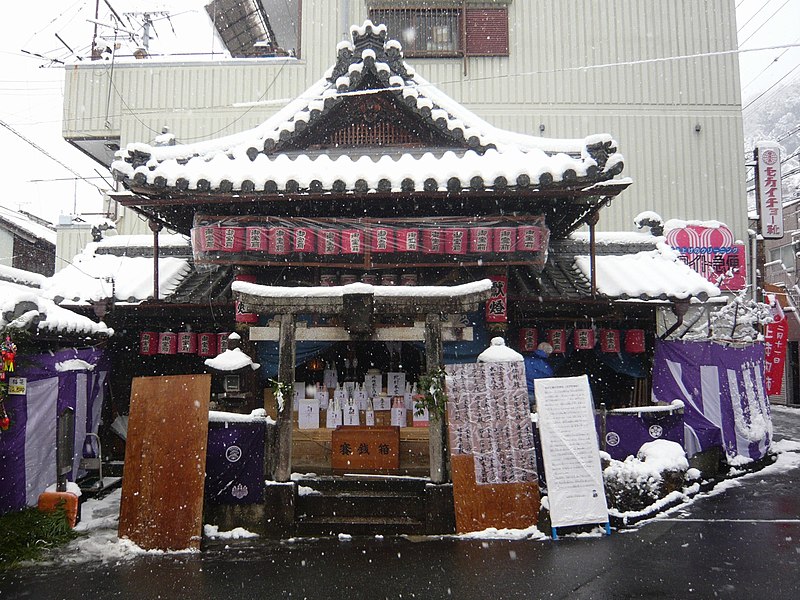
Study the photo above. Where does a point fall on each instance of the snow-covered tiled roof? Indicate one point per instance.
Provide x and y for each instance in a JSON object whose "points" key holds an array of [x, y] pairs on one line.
{"points": [[24, 223], [23, 307], [472, 155], [93, 275], [647, 275]]}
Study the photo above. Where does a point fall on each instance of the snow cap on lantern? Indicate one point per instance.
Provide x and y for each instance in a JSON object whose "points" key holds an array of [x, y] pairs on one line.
{"points": [[499, 352], [232, 358]]}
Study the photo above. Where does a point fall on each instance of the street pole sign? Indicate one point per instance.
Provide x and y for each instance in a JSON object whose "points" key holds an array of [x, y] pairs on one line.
{"points": [[768, 189]]}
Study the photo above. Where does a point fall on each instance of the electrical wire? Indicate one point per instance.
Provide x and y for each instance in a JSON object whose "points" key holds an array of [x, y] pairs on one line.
{"points": [[753, 16], [770, 90], [765, 22]]}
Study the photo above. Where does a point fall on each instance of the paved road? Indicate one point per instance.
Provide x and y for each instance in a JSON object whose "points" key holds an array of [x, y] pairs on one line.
{"points": [[743, 542]]}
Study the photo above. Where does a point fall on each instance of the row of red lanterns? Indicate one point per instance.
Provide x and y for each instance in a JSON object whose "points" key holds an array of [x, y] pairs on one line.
{"points": [[184, 342], [449, 240], [611, 340]]}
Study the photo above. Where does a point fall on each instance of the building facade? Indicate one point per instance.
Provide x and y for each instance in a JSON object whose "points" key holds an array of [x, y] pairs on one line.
{"points": [[661, 77]]}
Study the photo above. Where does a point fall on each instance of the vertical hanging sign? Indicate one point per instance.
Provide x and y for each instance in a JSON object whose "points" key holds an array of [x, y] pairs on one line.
{"points": [[776, 335], [768, 188], [497, 304]]}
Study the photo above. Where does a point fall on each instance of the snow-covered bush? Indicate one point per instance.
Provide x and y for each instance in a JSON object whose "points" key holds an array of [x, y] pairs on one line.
{"points": [[738, 320], [637, 482]]}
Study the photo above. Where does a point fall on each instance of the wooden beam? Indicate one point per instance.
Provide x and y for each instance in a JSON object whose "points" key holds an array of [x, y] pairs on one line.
{"points": [[340, 334], [433, 361], [286, 361]]}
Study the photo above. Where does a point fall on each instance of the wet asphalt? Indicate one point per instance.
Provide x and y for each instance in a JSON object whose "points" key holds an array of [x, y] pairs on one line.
{"points": [[743, 542]]}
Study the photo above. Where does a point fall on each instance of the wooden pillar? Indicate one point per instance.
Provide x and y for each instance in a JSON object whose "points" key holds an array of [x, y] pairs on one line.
{"points": [[283, 437], [436, 427]]}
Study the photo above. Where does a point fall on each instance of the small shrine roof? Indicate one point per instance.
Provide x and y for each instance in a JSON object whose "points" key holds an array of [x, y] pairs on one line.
{"points": [[463, 152]]}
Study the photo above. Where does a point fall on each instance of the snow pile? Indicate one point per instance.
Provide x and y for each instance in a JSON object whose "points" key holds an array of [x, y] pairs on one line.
{"points": [[738, 320], [237, 533], [257, 415], [492, 533], [638, 482], [380, 291], [231, 360], [499, 352]]}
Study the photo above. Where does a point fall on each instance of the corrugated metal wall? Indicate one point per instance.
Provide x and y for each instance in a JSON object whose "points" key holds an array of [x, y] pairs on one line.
{"points": [[652, 109]]}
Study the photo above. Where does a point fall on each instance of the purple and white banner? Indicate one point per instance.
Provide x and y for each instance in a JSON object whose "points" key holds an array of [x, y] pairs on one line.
{"points": [[67, 379], [722, 389], [235, 461]]}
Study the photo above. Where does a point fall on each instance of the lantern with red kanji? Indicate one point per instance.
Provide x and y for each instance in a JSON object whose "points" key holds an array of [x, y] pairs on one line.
{"points": [[583, 339], [557, 338], [529, 238], [609, 340], [233, 239], [148, 343], [207, 344], [528, 339], [634, 341]]}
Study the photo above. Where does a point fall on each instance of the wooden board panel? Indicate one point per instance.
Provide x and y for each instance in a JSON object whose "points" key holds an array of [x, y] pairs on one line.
{"points": [[504, 505], [365, 449], [165, 462]]}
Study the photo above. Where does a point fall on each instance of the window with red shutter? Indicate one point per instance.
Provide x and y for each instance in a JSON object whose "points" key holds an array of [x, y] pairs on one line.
{"points": [[437, 32], [487, 31]]}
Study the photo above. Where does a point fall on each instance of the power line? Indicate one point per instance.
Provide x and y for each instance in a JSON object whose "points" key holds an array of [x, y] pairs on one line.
{"points": [[765, 22], [773, 88], [47, 154], [771, 63], [753, 16]]}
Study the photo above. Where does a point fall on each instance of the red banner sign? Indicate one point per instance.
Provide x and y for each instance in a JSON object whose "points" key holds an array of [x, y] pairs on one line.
{"points": [[776, 334], [497, 304]]}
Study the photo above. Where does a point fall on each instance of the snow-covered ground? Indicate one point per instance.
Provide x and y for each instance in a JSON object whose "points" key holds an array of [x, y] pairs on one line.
{"points": [[99, 518]]}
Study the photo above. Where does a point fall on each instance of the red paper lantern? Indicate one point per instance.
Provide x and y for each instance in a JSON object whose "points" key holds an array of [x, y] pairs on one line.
{"points": [[407, 240], [480, 240], [222, 342], [634, 341], [528, 339], [456, 240], [257, 239], [209, 238], [609, 340], [187, 342], [557, 338], [279, 241], [382, 239], [304, 239], [352, 241], [167, 343], [583, 339], [529, 238], [148, 343], [328, 242], [505, 239], [233, 239], [432, 241], [207, 344]]}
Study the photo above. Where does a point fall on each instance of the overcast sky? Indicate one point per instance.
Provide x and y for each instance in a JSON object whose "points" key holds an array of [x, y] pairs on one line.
{"points": [[31, 96]]}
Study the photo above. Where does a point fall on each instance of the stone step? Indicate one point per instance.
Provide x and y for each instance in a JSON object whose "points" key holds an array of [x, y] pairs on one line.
{"points": [[326, 526], [367, 504]]}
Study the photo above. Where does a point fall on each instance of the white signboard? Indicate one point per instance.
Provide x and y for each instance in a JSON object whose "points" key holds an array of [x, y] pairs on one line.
{"points": [[329, 378], [381, 402], [570, 451], [395, 384], [768, 157], [373, 383], [308, 414], [17, 385]]}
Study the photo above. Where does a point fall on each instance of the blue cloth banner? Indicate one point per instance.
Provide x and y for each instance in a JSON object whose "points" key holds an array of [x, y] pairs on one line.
{"points": [[235, 462]]}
